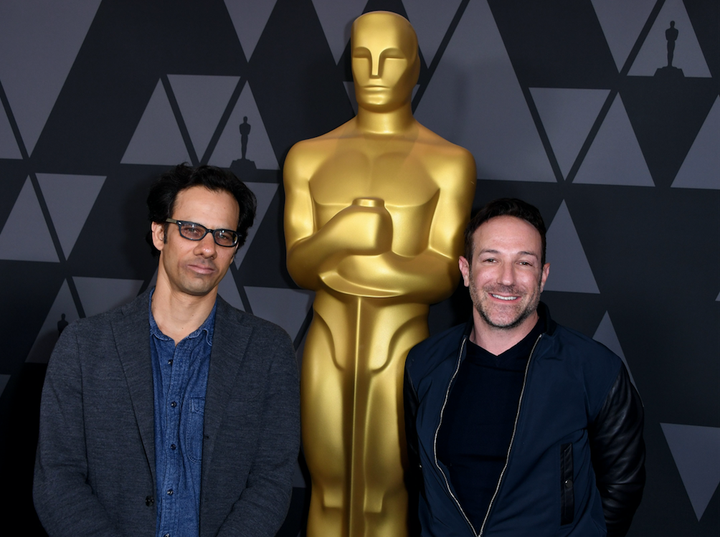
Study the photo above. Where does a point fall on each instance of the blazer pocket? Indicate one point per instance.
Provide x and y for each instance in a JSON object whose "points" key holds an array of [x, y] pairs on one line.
{"points": [[567, 494]]}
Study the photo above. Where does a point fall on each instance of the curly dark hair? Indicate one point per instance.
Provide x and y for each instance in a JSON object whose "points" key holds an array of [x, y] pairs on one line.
{"points": [[164, 191], [505, 207]]}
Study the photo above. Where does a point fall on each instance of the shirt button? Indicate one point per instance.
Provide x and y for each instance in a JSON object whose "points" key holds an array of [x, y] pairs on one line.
{"points": [[172, 446], [173, 404], [170, 362], [170, 492], [166, 535]]}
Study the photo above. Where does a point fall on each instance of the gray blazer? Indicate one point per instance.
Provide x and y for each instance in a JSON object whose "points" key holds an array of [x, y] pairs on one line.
{"points": [[95, 464]]}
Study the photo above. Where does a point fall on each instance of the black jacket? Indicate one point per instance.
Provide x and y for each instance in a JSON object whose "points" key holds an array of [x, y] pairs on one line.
{"points": [[575, 465]]}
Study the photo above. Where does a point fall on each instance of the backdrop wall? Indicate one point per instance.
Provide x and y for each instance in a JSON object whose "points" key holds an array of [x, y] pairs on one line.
{"points": [[569, 104]]}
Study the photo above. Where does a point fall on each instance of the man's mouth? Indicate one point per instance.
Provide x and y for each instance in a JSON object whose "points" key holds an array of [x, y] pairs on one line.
{"points": [[505, 298], [202, 269]]}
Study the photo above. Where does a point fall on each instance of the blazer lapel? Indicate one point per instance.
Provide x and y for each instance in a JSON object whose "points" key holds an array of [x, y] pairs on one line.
{"points": [[230, 341], [132, 336]]}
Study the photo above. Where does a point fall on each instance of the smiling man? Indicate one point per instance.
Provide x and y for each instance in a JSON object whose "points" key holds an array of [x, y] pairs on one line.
{"points": [[517, 425], [176, 414]]}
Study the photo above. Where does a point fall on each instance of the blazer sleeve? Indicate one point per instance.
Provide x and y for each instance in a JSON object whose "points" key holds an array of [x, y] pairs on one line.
{"points": [[64, 501], [618, 454], [263, 504]]}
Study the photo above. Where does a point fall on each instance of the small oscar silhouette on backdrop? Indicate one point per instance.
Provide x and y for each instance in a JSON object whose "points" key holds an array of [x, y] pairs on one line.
{"points": [[669, 71], [243, 167], [62, 323]]}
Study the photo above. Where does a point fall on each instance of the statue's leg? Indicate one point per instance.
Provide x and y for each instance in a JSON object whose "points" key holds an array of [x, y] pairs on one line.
{"points": [[379, 457], [326, 407]]}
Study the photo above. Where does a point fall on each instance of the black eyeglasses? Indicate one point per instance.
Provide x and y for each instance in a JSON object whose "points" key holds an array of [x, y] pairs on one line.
{"points": [[197, 232]]}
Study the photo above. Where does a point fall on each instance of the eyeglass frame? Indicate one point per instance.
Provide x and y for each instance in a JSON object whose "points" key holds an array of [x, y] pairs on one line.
{"points": [[180, 223]]}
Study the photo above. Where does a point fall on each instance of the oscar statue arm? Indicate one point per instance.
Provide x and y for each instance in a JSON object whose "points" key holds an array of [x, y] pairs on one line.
{"points": [[431, 274], [362, 228]]}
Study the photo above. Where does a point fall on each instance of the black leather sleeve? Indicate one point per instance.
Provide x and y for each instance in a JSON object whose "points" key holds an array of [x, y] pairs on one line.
{"points": [[413, 472], [618, 454]]}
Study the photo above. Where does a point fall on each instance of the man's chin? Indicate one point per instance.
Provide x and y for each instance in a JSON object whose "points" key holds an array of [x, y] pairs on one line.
{"points": [[504, 322]]}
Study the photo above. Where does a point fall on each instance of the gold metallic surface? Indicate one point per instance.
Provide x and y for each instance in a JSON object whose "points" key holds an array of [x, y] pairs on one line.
{"points": [[374, 216]]}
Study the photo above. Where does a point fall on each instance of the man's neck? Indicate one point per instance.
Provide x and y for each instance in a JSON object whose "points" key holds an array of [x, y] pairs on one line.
{"points": [[178, 314], [498, 340]]}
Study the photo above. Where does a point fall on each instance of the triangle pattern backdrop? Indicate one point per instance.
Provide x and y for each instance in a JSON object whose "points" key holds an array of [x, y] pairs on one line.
{"points": [[570, 104], [695, 450]]}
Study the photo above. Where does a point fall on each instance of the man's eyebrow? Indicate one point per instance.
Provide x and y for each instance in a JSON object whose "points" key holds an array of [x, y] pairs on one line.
{"points": [[522, 252]]}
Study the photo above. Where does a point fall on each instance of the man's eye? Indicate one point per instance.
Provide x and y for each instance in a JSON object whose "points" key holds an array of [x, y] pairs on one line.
{"points": [[193, 231]]}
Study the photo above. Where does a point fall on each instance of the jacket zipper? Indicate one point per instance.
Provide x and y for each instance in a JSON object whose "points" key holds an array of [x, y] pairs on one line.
{"points": [[442, 411], [512, 439]]}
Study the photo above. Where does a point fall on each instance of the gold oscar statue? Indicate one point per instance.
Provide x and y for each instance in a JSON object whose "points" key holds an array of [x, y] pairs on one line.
{"points": [[374, 216]]}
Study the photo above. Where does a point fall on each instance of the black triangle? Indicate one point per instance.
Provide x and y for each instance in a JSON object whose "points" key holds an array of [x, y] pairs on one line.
{"points": [[666, 115]]}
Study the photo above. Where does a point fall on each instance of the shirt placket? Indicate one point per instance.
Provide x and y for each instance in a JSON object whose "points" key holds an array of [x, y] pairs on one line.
{"points": [[176, 369]]}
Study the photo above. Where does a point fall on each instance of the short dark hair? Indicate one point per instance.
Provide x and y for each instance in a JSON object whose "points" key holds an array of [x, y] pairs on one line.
{"points": [[505, 207], [164, 191]]}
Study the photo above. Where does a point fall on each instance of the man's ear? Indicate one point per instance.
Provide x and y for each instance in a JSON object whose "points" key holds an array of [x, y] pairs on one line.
{"points": [[544, 276], [158, 235], [464, 270]]}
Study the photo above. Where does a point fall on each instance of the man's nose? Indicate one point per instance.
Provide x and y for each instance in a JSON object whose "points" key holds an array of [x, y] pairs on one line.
{"points": [[206, 246], [507, 274]]}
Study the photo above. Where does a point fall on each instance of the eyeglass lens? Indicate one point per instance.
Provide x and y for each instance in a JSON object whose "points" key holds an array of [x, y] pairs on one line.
{"points": [[196, 232]]}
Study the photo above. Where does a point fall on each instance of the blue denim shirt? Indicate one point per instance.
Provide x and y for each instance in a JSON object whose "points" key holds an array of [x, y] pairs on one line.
{"points": [[180, 376]]}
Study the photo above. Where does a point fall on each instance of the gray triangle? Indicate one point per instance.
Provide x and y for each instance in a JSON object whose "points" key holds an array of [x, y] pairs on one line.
{"points": [[229, 291], [264, 192], [285, 307], [569, 267], [431, 20], [39, 42], [606, 335], [8, 145], [701, 167], [475, 100], [153, 281], [336, 19], [249, 20], [202, 101], [3, 382], [98, 295], [696, 451], [615, 157], [622, 22], [48, 335], [69, 198], [259, 149], [567, 116], [688, 55], [157, 138], [350, 90], [26, 220]]}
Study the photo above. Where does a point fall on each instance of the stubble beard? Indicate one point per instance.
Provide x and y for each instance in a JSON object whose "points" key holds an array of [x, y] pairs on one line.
{"points": [[522, 315]]}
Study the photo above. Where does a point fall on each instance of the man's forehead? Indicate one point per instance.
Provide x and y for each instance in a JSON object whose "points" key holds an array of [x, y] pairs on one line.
{"points": [[201, 200], [507, 230]]}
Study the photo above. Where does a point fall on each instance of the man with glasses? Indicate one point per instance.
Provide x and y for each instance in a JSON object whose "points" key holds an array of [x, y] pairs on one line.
{"points": [[176, 414]]}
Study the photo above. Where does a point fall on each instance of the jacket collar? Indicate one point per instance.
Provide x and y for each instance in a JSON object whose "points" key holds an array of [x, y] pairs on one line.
{"points": [[131, 331], [230, 341]]}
